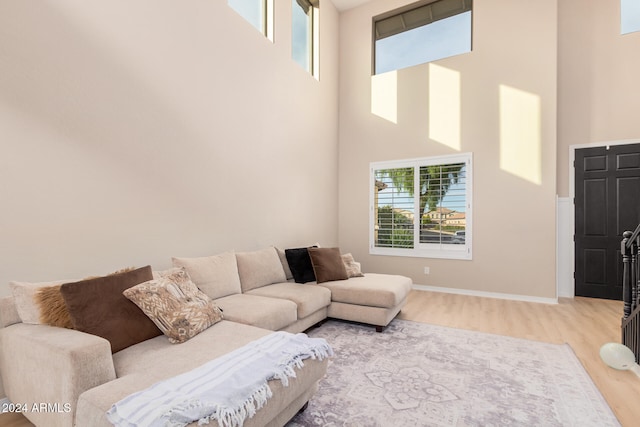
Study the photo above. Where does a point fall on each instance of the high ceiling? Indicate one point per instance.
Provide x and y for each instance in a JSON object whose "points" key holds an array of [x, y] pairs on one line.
{"points": [[347, 4]]}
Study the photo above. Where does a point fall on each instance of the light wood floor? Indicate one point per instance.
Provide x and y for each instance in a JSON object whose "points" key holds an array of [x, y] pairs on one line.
{"points": [[584, 323]]}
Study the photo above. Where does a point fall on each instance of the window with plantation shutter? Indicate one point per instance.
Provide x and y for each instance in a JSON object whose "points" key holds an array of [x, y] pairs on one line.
{"points": [[422, 207]]}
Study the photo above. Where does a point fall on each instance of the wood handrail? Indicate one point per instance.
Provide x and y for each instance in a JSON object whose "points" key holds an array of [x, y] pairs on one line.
{"points": [[631, 237]]}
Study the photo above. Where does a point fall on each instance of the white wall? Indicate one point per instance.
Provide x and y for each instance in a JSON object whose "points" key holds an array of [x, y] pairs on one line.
{"points": [[514, 52], [131, 132]]}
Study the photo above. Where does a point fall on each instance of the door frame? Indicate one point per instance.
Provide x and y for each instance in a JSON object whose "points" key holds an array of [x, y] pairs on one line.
{"points": [[569, 289]]}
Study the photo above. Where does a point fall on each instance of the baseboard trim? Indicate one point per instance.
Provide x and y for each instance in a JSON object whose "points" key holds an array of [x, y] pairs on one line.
{"points": [[496, 295]]}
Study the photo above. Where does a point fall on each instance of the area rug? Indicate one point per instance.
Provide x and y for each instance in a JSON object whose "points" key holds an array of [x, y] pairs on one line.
{"points": [[416, 374]]}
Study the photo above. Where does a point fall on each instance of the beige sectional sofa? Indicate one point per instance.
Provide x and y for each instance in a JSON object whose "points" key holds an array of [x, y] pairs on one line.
{"points": [[76, 374]]}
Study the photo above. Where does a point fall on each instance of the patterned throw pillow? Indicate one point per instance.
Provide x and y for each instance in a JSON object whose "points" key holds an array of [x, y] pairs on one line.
{"points": [[176, 305]]}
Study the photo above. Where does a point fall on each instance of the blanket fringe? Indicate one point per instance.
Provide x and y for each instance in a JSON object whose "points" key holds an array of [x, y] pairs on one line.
{"points": [[230, 417]]}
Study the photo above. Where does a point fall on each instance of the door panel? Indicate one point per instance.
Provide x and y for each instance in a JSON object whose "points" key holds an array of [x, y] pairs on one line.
{"points": [[607, 203], [628, 210], [595, 218]]}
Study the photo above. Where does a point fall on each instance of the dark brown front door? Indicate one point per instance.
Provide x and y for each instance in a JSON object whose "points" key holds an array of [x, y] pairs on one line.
{"points": [[607, 202]]}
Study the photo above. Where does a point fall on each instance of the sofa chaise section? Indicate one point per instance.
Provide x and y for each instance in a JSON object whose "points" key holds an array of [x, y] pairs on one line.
{"points": [[156, 359], [374, 298]]}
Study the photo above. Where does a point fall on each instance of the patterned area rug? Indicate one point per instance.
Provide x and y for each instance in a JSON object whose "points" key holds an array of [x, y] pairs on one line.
{"points": [[416, 374]]}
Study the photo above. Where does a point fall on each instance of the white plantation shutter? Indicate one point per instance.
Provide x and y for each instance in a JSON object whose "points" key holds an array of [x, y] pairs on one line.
{"points": [[422, 207], [395, 211]]}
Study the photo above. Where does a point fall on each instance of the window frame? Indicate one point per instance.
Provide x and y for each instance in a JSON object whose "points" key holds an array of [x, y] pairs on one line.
{"points": [[629, 17], [266, 19], [399, 12], [313, 48], [424, 250]]}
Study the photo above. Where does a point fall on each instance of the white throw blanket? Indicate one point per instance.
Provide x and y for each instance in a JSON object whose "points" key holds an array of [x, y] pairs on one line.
{"points": [[228, 389]]}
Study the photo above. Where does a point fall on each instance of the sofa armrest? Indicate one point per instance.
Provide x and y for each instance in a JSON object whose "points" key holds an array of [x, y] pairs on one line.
{"points": [[44, 365]]}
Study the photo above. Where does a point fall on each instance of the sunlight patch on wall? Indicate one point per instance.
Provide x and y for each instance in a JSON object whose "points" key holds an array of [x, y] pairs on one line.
{"points": [[520, 134], [444, 106], [384, 96]]}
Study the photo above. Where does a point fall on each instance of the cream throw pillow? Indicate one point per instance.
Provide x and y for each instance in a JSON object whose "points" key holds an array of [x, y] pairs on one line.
{"points": [[216, 276], [353, 267], [285, 264], [176, 305], [24, 294]]}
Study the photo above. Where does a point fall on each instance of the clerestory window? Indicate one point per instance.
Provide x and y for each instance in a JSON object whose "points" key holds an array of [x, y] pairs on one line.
{"points": [[629, 16], [258, 13], [420, 33], [305, 34]]}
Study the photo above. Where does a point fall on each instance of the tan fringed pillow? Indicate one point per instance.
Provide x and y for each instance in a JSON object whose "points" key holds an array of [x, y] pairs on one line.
{"points": [[53, 309], [176, 305]]}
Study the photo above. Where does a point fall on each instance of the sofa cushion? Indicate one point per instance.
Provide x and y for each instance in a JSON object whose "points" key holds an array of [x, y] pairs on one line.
{"points": [[353, 267], [216, 276], [327, 264], [259, 268], [268, 313], [300, 264], [97, 306], [308, 298], [176, 305], [375, 290]]}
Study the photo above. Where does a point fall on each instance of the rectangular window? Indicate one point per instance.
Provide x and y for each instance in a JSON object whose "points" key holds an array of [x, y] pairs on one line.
{"points": [[304, 29], [629, 16], [422, 207], [420, 34], [258, 13]]}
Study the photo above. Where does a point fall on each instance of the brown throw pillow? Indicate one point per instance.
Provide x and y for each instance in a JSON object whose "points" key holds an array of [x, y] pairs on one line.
{"points": [[97, 306], [327, 264], [53, 309], [51, 306], [176, 305]]}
